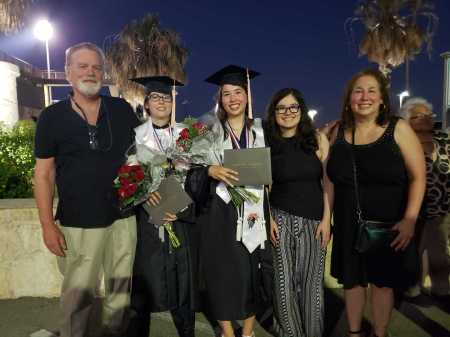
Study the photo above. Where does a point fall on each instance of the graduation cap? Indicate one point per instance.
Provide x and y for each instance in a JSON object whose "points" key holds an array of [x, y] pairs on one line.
{"points": [[163, 85], [235, 75]]}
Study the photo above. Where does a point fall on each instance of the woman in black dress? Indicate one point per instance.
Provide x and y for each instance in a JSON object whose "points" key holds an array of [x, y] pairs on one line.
{"points": [[231, 266], [300, 222], [391, 182], [162, 275]]}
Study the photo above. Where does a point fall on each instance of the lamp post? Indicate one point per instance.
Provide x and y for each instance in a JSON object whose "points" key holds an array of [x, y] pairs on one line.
{"points": [[44, 32], [446, 102]]}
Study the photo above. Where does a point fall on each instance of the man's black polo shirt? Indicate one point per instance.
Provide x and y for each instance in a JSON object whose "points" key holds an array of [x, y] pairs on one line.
{"points": [[84, 177]]}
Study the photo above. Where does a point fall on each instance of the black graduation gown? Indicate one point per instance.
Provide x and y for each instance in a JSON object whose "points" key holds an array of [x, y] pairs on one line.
{"points": [[237, 284], [163, 276]]}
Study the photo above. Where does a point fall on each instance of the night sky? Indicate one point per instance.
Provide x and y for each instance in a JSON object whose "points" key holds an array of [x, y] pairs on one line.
{"points": [[292, 43]]}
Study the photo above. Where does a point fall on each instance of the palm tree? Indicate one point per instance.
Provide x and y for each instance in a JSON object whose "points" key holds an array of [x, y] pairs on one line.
{"points": [[144, 48], [12, 14], [396, 30]]}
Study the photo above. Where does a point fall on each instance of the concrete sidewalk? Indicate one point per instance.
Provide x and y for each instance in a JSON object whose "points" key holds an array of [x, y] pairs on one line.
{"points": [[24, 316]]}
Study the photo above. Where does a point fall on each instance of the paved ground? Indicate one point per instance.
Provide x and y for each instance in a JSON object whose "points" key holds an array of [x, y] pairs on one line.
{"points": [[22, 317]]}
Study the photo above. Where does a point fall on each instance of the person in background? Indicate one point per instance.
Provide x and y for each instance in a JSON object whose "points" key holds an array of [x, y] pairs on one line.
{"points": [[435, 221]]}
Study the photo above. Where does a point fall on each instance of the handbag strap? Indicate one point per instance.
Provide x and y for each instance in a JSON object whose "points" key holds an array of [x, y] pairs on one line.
{"points": [[355, 178]]}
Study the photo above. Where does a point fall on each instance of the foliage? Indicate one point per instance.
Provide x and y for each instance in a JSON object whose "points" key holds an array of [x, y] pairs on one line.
{"points": [[12, 13], [17, 160], [396, 30], [144, 48]]}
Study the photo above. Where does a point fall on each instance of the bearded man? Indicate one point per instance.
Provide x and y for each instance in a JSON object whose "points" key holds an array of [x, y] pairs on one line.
{"points": [[80, 144]]}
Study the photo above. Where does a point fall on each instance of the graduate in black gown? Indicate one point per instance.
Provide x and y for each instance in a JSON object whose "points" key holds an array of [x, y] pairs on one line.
{"points": [[162, 275], [234, 253]]}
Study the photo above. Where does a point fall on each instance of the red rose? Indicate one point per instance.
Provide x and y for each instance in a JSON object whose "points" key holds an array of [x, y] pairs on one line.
{"points": [[124, 181], [129, 190], [139, 174], [125, 169], [199, 126], [122, 192], [184, 134]]}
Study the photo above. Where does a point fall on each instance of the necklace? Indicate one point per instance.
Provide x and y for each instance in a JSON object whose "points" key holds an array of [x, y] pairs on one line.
{"points": [[93, 129], [82, 111]]}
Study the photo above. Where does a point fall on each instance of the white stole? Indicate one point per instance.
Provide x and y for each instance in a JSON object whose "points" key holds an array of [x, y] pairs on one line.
{"points": [[251, 233], [146, 135]]}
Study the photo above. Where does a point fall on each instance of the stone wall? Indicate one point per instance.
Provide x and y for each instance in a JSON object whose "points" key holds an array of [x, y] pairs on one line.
{"points": [[27, 268]]}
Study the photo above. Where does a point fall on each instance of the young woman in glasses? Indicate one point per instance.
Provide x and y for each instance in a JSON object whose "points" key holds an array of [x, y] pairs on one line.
{"points": [[300, 215], [162, 275]]}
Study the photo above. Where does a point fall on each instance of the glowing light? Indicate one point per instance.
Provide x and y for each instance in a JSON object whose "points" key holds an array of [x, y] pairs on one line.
{"points": [[43, 30], [403, 95], [312, 114]]}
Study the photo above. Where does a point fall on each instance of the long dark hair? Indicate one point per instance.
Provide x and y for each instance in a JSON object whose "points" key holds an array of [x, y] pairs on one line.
{"points": [[222, 114], [305, 134], [385, 113]]}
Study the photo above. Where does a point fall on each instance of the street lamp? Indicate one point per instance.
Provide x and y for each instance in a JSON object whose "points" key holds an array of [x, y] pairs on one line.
{"points": [[402, 95], [312, 113], [44, 32]]}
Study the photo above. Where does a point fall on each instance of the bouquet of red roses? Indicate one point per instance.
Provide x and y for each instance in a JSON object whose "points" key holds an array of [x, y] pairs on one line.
{"points": [[193, 145], [139, 176], [130, 184], [193, 130]]}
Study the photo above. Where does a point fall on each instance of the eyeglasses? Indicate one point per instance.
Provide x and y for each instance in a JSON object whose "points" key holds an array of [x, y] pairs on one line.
{"points": [[157, 97], [422, 115], [283, 110], [93, 139]]}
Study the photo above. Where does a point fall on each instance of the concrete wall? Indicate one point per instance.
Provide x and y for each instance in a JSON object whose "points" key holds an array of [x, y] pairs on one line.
{"points": [[27, 268], [9, 108]]}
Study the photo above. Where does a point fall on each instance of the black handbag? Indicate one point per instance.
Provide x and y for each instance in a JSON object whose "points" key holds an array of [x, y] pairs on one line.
{"points": [[372, 236]]}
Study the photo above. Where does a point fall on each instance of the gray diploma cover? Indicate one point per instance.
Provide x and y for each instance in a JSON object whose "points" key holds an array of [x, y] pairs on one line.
{"points": [[253, 165], [173, 200]]}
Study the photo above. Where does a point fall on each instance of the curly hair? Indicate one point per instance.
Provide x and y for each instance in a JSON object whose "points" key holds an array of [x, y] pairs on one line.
{"points": [[385, 114], [306, 134], [412, 102]]}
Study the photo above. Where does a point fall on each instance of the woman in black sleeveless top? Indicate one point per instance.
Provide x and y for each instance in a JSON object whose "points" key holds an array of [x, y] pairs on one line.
{"points": [[300, 223], [391, 181]]}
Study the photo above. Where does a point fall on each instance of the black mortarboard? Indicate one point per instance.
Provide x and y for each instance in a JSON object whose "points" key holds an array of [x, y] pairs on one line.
{"points": [[231, 74], [235, 75], [162, 84]]}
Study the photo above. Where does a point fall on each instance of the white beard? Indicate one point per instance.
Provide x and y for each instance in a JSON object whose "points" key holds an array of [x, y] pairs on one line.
{"points": [[89, 89]]}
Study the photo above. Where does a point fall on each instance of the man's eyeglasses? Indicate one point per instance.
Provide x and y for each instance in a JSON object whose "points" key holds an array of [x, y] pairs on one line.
{"points": [[422, 115], [283, 110], [157, 97], [93, 139]]}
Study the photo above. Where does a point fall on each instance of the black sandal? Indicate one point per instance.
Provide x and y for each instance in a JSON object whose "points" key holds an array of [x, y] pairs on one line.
{"points": [[355, 332]]}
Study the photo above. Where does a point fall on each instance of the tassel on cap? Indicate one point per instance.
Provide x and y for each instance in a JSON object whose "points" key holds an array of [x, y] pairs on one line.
{"points": [[249, 94], [235, 75], [174, 105]]}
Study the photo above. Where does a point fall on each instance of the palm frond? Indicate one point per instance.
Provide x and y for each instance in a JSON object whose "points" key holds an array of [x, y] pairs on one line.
{"points": [[396, 30], [12, 13], [144, 48]]}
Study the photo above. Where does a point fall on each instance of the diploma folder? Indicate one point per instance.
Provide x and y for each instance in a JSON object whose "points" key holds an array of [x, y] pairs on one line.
{"points": [[253, 165], [173, 200]]}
